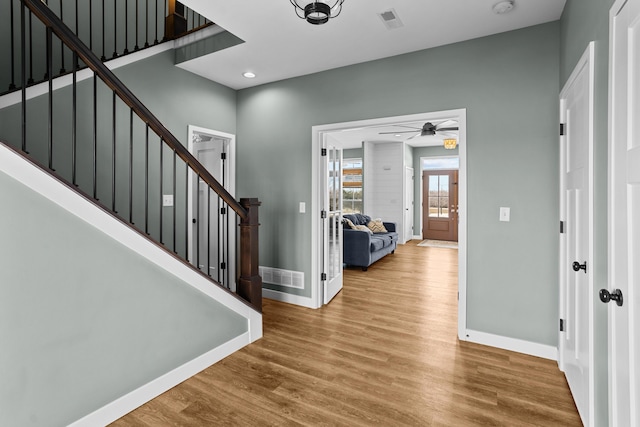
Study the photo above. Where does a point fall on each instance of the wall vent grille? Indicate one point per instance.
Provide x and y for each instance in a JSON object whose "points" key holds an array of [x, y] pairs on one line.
{"points": [[280, 277]]}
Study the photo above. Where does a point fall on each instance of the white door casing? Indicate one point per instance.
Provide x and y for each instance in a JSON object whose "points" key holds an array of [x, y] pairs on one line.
{"points": [[332, 221], [624, 213], [207, 145], [408, 204], [576, 351]]}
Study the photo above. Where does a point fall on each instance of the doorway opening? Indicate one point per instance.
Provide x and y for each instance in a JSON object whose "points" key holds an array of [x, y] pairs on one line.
{"points": [[382, 131], [212, 233], [439, 198]]}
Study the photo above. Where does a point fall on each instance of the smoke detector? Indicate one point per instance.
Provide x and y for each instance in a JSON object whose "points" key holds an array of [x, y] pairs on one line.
{"points": [[503, 7]]}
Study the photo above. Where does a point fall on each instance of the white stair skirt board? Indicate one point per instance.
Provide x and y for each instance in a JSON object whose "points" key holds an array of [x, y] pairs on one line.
{"points": [[39, 181], [513, 344], [288, 298], [127, 403]]}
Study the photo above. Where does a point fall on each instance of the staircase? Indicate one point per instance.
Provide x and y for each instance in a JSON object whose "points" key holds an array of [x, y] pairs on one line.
{"points": [[108, 290]]}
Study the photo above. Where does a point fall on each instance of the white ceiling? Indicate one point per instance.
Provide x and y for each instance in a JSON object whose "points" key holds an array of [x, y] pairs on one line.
{"points": [[279, 45]]}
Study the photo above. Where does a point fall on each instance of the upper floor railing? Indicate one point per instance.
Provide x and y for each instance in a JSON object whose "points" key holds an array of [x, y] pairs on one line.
{"points": [[97, 136], [110, 28]]}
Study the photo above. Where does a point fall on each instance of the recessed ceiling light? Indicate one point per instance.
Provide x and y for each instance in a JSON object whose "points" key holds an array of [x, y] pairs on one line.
{"points": [[503, 7], [398, 135], [249, 74]]}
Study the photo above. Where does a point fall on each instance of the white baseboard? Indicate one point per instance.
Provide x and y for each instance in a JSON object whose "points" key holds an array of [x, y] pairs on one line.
{"points": [[127, 403], [418, 238], [288, 298], [512, 344]]}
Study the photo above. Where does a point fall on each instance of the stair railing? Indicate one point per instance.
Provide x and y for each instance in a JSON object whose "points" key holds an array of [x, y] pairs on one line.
{"points": [[110, 28], [121, 171]]}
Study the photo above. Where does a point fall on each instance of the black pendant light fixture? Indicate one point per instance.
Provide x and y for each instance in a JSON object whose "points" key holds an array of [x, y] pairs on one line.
{"points": [[317, 12]]}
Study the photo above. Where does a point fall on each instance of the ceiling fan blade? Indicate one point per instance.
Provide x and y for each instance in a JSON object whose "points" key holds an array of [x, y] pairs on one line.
{"points": [[402, 131], [446, 129]]}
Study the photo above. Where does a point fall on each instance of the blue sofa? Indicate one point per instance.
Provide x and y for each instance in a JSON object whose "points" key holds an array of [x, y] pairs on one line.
{"points": [[361, 248]]}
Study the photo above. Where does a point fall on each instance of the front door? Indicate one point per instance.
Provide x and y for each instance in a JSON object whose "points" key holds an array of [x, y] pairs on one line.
{"points": [[332, 222], [576, 241], [624, 215], [440, 205]]}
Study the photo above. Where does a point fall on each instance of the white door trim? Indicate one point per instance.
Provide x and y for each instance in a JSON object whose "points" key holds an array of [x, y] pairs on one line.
{"points": [[586, 63], [230, 187], [316, 243]]}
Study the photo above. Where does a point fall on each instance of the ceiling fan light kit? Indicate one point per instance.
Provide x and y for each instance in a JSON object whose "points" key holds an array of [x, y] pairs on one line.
{"points": [[317, 12], [450, 143]]}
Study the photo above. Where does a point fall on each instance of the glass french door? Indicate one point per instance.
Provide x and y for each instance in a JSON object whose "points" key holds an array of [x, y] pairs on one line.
{"points": [[331, 223]]}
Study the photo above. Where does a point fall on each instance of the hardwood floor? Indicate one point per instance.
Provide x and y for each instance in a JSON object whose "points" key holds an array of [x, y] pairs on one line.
{"points": [[383, 352]]}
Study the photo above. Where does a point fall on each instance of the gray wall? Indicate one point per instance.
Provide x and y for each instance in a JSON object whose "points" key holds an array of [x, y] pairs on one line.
{"points": [[84, 320], [584, 21], [507, 82]]}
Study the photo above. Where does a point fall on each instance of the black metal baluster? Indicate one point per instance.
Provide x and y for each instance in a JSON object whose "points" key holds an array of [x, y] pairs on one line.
{"points": [[103, 57], [136, 47], [219, 245], [161, 186], [197, 196], [62, 69], [74, 121], [91, 25], [208, 231], [23, 70], [146, 181], [12, 85], [186, 211], [157, 19], [30, 81], [95, 136], [115, 29], [113, 155], [174, 200], [131, 165], [50, 97], [146, 25], [126, 27]]}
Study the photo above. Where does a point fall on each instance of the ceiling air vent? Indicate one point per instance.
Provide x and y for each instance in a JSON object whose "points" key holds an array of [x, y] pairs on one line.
{"points": [[390, 19]]}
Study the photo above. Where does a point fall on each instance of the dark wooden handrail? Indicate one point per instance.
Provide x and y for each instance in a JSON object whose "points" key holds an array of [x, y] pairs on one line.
{"points": [[63, 32]]}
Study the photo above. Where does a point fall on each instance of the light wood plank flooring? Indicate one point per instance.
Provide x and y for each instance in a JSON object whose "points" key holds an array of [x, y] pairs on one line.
{"points": [[383, 352]]}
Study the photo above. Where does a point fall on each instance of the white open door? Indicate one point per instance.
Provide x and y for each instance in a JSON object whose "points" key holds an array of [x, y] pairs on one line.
{"points": [[576, 241], [623, 291], [212, 232], [332, 219]]}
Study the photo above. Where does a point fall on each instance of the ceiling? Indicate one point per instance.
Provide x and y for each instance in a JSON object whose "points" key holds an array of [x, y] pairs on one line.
{"points": [[278, 45]]}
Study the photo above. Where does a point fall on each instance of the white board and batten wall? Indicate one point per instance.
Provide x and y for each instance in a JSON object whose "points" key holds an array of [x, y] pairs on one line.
{"points": [[383, 182]]}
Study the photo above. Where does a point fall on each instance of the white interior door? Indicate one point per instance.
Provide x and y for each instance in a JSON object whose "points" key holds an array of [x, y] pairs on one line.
{"points": [[332, 221], [212, 234], [576, 293], [624, 215], [408, 204]]}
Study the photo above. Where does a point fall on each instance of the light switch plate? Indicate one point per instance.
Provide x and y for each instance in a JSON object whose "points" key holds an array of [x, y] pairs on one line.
{"points": [[505, 214], [167, 200], [303, 207]]}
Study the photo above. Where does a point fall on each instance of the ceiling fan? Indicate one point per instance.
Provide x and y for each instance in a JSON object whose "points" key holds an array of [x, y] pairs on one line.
{"points": [[427, 129]]}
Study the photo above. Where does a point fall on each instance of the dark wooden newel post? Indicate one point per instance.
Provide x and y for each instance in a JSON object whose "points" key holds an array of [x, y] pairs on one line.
{"points": [[250, 283], [175, 22]]}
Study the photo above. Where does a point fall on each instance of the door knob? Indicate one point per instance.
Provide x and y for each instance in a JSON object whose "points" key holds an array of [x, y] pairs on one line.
{"points": [[577, 266], [616, 295]]}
